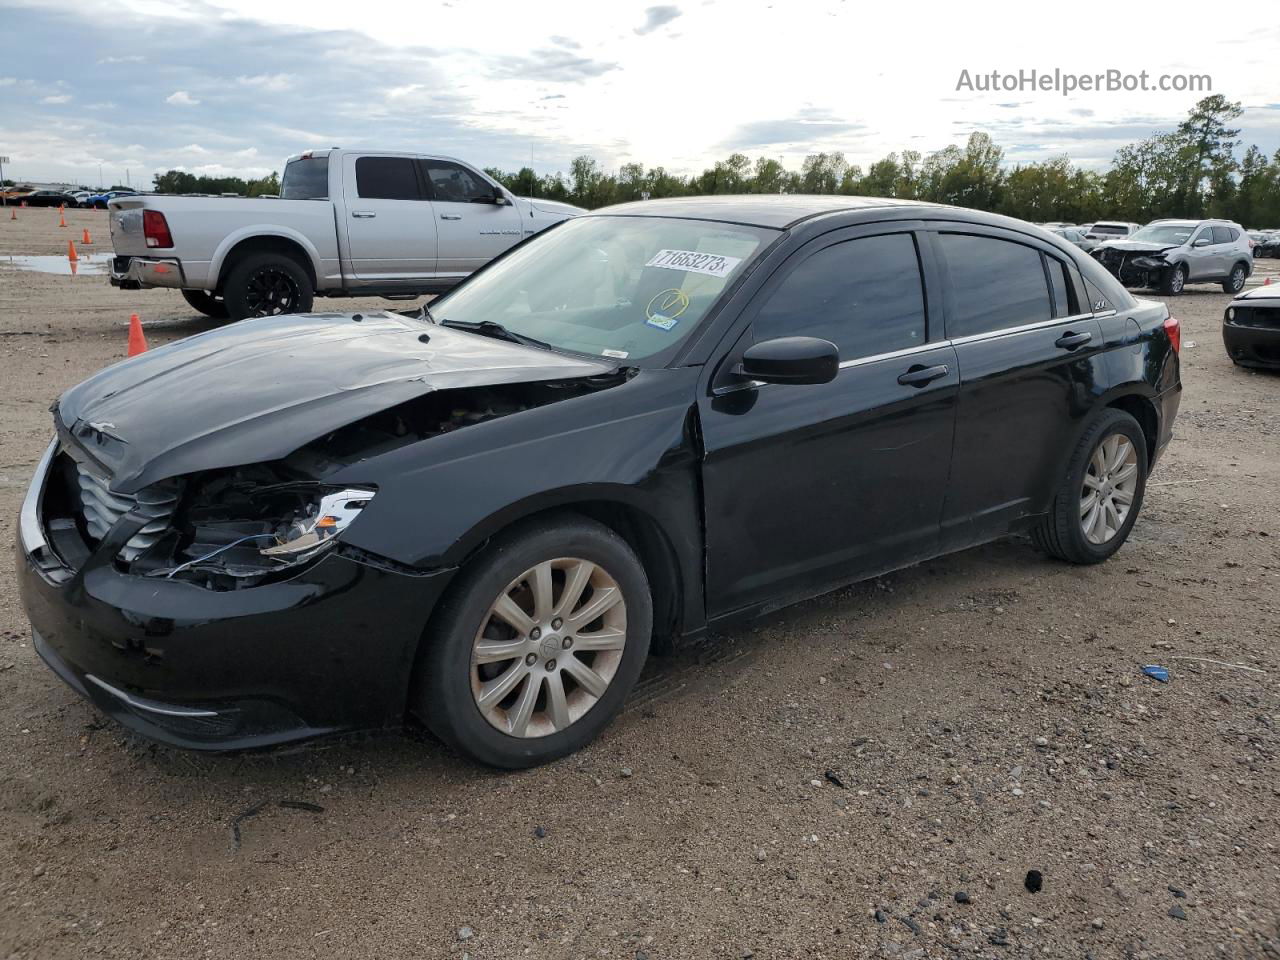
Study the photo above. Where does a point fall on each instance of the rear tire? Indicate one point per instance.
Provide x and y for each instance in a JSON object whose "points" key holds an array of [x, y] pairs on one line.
{"points": [[206, 303], [1066, 531], [1173, 281], [266, 285], [453, 679]]}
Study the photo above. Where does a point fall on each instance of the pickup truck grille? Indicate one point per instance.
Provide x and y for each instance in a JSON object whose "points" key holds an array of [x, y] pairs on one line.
{"points": [[102, 509]]}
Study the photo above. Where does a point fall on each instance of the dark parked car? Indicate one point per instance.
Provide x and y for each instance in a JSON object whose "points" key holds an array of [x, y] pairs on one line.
{"points": [[1251, 328], [47, 198], [1269, 247], [641, 424]]}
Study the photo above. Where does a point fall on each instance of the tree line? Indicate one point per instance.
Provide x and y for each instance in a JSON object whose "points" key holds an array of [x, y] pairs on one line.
{"points": [[1194, 170]]}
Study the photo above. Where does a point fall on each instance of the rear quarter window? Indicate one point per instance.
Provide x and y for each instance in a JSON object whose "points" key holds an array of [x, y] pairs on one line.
{"points": [[1105, 292]]}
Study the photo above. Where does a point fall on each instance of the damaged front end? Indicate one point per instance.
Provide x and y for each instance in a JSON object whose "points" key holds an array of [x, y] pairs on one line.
{"points": [[242, 526], [1134, 268]]}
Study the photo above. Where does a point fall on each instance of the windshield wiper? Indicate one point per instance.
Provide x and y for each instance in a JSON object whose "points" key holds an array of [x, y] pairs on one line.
{"points": [[491, 328]]}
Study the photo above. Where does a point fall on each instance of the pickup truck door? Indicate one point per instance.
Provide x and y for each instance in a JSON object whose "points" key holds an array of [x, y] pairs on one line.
{"points": [[472, 228], [390, 226]]}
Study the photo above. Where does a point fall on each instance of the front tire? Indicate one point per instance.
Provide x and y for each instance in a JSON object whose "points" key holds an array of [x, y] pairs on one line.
{"points": [[1173, 281], [536, 646], [206, 303], [1099, 498], [267, 285], [1235, 283]]}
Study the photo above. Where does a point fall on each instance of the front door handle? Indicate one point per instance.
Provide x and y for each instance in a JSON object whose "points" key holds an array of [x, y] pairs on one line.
{"points": [[450, 216], [363, 214], [1069, 340], [918, 376]]}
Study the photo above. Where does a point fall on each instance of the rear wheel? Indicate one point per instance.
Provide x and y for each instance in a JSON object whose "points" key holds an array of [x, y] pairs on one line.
{"points": [[1174, 279], [1097, 502], [1235, 282], [537, 645], [206, 303], [266, 285]]}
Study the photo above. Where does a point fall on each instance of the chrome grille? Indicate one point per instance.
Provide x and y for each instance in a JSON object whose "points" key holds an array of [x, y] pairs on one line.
{"points": [[102, 509]]}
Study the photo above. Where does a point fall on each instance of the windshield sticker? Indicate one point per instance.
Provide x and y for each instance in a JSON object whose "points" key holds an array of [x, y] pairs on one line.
{"points": [[711, 264], [664, 309], [616, 354]]}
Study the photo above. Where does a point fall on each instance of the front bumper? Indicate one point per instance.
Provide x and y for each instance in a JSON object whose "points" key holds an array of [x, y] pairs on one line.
{"points": [[1255, 344], [137, 273], [329, 650], [1135, 269]]}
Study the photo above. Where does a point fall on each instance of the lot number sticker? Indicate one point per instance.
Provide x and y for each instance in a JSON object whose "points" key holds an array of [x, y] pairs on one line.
{"points": [[711, 264]]}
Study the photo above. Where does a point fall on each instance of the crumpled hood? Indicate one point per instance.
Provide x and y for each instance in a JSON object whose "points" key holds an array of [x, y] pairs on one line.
{"points": [[1136, 246], [259, 389]]}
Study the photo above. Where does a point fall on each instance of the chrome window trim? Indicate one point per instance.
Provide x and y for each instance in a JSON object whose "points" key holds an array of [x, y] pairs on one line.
{"points": [[904, 352], [1005, 331]]}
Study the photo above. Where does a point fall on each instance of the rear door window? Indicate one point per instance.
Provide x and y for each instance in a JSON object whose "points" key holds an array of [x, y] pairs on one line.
{"points": [[1224, 235], [306, 178], [866, 296], [387, 178], [995, 284]]}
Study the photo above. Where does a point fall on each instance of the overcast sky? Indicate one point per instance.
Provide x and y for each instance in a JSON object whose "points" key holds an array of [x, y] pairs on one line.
{"points": [[233, 86]]}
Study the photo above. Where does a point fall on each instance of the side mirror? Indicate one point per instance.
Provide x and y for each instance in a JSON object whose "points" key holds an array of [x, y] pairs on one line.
{"points": [[1202, 242], [499, 197], [791, 360]]}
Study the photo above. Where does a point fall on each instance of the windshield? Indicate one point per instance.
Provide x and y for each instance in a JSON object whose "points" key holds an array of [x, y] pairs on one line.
{"points": [[622, 287], [306, 178], [1171, 233]]}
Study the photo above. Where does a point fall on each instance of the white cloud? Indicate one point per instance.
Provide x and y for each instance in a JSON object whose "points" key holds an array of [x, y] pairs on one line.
{"points": [[180, 98], [192, 148], [134, 58], [8, 81], [57, 98], [397, 93], [274, 82]]}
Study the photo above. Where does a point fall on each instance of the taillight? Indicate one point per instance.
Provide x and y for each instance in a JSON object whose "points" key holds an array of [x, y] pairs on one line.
{"points": [[1174, 329], [156, 229]]}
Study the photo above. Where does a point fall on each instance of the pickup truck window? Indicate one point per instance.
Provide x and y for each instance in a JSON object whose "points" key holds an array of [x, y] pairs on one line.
{"points": [[306, 178], [454, 183], [387, 178]]}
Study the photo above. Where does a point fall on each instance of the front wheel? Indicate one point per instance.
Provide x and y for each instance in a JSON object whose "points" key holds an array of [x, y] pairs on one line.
{"points": [[1097, 502], [1235, 283], [266, 285], [1174, 279], [537, 645], [206, 303]]}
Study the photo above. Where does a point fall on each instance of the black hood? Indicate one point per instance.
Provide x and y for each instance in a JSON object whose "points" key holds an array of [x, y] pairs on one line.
{"points": [[257, 390]]}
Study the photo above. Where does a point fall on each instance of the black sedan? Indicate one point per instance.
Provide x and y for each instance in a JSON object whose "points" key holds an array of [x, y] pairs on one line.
{"points": [[48, 198], [639, 425], [1251, 328]]}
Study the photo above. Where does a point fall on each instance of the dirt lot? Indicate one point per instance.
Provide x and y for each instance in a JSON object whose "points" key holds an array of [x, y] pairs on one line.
{"points": [[985, 716]]}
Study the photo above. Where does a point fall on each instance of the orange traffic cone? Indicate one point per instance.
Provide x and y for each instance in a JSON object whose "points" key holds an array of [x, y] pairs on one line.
{"points": [[137, 342], [62, 221], [71, 251], [1266, 282], [86, 240]]}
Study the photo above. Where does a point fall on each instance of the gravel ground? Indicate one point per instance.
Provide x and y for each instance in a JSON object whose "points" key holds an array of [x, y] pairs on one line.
{"points": [[874, 773]]}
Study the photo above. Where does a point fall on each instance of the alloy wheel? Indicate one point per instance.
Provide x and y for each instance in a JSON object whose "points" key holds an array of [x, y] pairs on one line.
{"points": [[1110, 485], [1237, 278], [1179, 280], [270, 292], [549, 647]]}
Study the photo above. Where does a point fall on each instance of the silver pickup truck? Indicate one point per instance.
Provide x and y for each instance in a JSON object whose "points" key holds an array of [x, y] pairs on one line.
{"points": [[347, 223]]}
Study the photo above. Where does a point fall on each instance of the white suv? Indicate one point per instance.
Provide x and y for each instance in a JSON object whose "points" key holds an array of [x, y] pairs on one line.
{"points": [[1169, 254]]}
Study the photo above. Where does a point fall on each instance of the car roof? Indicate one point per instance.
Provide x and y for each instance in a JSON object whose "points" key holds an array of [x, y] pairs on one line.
{"points": [[778, 211]]}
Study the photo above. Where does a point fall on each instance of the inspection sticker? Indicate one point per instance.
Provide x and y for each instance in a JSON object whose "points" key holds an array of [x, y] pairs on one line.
{"points": [[711, 264]]}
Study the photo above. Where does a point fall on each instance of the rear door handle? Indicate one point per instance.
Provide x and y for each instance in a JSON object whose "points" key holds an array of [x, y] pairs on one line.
{"points": [[1069, 340], [450, 216], [363, 214], [918, 376]]}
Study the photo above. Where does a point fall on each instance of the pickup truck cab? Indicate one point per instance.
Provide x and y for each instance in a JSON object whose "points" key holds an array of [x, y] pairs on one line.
{"points": [[347, 223]]}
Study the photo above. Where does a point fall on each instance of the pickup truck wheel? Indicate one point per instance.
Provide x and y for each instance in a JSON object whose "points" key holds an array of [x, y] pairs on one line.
{"points": [[265, 285], [206, 303], [1173, 281], [537, 644]]}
